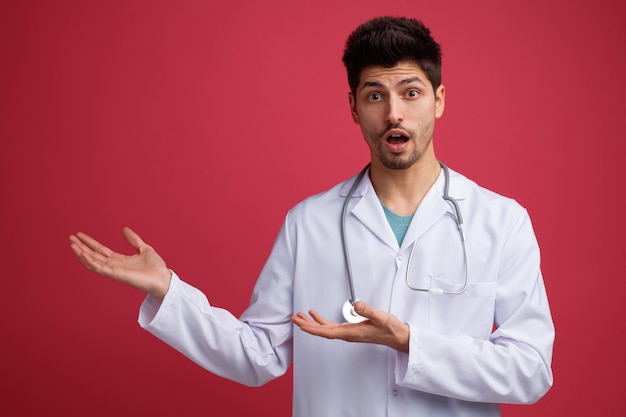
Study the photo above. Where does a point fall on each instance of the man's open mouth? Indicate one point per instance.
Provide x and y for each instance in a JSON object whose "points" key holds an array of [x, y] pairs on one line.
{"points": [[397, 139]]}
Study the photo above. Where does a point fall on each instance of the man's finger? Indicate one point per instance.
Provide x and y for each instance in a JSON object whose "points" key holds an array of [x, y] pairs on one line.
{"points": [[133, 239], [80, 249], [301, 319], [94, 245], [78, 252], [319, 319], [364, 309]]}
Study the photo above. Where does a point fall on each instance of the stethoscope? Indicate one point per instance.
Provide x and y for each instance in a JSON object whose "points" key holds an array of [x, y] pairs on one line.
{"points": [[349, 314]]}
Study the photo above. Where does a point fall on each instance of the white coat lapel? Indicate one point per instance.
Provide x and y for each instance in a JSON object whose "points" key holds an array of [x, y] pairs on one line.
{"points": [[433, 206], [431, 209], [369, 211]]}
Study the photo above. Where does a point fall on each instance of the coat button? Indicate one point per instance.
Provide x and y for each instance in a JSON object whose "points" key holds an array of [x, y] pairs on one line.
{"points": [[396, 393]]}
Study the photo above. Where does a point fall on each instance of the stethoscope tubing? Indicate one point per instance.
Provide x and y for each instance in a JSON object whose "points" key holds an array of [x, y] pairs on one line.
{"points": [[348, 308], [344, 236]]}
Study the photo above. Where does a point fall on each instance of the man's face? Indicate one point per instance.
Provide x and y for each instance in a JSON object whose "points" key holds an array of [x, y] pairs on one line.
{"points": [[396, 109]]}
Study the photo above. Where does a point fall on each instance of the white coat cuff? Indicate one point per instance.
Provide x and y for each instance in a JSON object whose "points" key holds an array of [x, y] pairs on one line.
{"points": [[151, 309], [407, 365]]}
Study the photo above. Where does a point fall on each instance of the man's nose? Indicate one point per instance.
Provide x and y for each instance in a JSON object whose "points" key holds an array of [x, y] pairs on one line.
{"points": [[395, 110]]}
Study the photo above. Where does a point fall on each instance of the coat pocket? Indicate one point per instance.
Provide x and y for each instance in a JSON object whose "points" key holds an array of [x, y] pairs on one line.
{"points": [[470, 313]]}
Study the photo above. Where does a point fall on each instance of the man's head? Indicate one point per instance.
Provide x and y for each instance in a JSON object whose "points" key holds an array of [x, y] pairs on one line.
{"points": [[387, 41]]}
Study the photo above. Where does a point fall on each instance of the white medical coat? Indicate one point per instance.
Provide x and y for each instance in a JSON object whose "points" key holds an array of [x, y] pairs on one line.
{"points": [[467, 353]]}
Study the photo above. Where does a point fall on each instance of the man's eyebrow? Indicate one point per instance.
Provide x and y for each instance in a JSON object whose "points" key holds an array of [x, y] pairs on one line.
{"points": [[371, 84], [411, 80], [377, 84]]}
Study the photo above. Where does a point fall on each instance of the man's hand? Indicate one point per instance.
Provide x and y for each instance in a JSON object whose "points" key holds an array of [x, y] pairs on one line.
{"points": [[381, 328], [145, 270]]}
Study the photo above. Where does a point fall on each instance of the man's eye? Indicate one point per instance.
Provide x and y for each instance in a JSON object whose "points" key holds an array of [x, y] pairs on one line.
{"points": [[412, 93], [374, 96]]}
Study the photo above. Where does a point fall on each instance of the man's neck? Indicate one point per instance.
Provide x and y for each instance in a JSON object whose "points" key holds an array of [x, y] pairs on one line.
{"points": [[402, 190]]}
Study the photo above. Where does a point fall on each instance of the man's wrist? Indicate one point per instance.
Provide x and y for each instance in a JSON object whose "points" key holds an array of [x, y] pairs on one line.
{"points": [[163, 286]]}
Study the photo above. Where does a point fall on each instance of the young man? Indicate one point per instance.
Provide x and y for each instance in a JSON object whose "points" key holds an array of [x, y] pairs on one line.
{"points": [[456, 321]]}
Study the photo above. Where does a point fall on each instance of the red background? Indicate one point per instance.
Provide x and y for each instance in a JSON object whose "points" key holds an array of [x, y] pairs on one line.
{"points": [[199, 124]]}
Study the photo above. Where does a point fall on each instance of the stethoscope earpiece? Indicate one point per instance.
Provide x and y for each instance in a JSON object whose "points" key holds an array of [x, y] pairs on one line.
{"points": [[349, 314]]}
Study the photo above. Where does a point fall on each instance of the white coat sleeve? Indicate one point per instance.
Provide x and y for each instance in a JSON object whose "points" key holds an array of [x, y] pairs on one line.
{"points": [[251, 350], [514, 365]]}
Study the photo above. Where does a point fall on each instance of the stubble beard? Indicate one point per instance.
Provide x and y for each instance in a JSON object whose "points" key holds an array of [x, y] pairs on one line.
{"points": [[398, 161]]}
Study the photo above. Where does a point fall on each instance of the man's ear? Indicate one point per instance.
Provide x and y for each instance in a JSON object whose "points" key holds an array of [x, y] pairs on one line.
{"points": [[440, 101], [353, 110]]}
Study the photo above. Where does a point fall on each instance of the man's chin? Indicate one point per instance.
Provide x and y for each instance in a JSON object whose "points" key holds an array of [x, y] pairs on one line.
{"points": [[399, 163]]}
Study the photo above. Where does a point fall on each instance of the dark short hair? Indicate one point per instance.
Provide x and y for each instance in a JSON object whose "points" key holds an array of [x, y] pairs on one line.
{"points": [[386, 41]]}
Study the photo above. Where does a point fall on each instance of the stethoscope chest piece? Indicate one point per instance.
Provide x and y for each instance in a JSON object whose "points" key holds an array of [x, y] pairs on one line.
{"points": [[349, 314]]}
